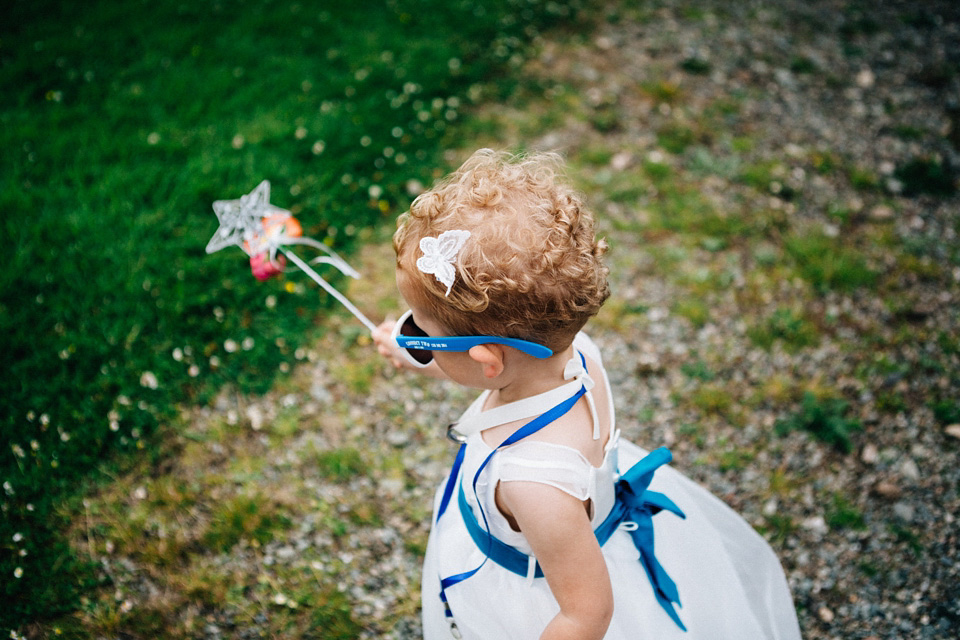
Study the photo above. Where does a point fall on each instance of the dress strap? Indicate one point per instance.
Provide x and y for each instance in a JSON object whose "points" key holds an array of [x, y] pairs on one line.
{"points": [[454, 478], [575, 371]]}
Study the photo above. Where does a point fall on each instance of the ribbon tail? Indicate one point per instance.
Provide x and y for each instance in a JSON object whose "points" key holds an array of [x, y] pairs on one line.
{"points": [[334, 258], [657, 502], [664, 588], [330, 289]]}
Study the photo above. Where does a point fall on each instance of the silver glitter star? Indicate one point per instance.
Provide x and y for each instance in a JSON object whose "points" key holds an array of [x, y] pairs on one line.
{"points": [[241, 221]]}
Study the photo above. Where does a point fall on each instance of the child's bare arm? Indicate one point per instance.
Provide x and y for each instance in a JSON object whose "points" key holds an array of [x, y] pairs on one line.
{"points": [[389, 350], [558, 530]]}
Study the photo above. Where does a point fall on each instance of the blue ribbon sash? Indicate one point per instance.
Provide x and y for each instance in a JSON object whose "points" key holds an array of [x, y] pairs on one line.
{"points": [[635, 506]]}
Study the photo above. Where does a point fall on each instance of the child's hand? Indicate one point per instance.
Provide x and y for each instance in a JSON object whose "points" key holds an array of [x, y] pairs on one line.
{"points": [[389, 350], [387, 347]]}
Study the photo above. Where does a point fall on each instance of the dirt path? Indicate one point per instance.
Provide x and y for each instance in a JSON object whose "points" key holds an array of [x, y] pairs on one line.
{"points": [[767, 179]]}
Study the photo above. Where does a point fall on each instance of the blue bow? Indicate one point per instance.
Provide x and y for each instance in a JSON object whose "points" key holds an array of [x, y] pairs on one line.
{"points": [[636, 505]]}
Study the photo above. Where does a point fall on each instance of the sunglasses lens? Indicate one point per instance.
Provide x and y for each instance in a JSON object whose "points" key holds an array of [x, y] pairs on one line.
{"points": [[410, 328]]}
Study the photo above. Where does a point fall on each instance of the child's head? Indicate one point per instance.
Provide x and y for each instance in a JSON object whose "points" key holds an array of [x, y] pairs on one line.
{"points": [[532, 266]]}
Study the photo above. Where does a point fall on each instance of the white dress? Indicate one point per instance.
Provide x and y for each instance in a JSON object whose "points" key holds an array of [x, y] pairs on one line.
{"points": [[730, 583]]}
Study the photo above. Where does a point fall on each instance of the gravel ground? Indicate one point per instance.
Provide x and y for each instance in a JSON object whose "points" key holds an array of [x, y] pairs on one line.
{"points": [[824, 101]]}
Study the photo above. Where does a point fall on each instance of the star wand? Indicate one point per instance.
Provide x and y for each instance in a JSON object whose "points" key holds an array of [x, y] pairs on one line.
{"points": [[262, 230]]}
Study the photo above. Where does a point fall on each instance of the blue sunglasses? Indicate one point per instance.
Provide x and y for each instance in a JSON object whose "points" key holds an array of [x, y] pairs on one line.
{"points": [[417, 346]]}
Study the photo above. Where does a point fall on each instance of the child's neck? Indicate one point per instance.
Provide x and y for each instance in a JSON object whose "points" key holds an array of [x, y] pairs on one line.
{"points": [[532, 377]]}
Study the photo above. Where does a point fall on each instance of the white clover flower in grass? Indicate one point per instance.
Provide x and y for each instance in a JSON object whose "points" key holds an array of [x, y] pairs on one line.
{"points": [[193, 371], [214, 361], [178, 354], [230, 346], [271, 301], [149, 380], [18, 451], [18, 573], [8, 488], [17, 537], [247, 343], [318, 147]]}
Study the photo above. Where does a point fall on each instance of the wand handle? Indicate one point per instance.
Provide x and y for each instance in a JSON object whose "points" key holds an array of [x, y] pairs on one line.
{"points": [[329, 289]]}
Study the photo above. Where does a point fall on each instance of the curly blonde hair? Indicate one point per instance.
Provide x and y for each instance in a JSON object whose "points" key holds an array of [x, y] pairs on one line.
{"points": [[532, 267]]}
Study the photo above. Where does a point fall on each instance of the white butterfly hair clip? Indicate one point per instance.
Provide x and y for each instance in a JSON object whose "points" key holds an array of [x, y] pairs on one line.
{"points": [[440, 254]]}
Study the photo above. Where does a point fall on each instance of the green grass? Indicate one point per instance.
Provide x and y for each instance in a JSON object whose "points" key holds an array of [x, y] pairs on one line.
{"points": [[121, 124], [340, 464], [786, 326], [251, 518], [843, 514], [825, 419], [926, 176], [828, 264]]}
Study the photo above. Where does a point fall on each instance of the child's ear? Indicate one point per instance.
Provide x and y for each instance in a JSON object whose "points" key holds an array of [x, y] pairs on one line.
{"points": [[490, 357]]}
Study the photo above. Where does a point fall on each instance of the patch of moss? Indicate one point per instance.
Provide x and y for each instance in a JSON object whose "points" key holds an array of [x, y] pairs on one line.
{"points": [[843, 514], [340, 464], [926, 176], [784, 325], [828, 264], [254, 518], [824, 418]]}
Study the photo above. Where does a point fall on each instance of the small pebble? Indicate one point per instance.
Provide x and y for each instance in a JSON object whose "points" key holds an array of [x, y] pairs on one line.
{"points": [[910, 470], [904, 511], [887, 489], [255, 416]]}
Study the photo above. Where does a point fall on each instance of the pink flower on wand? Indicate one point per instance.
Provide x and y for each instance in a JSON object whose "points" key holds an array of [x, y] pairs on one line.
{"points": [[263, 268]]}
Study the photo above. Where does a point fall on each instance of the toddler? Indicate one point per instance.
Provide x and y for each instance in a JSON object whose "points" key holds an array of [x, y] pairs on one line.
{"points": [[549, 525]]}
